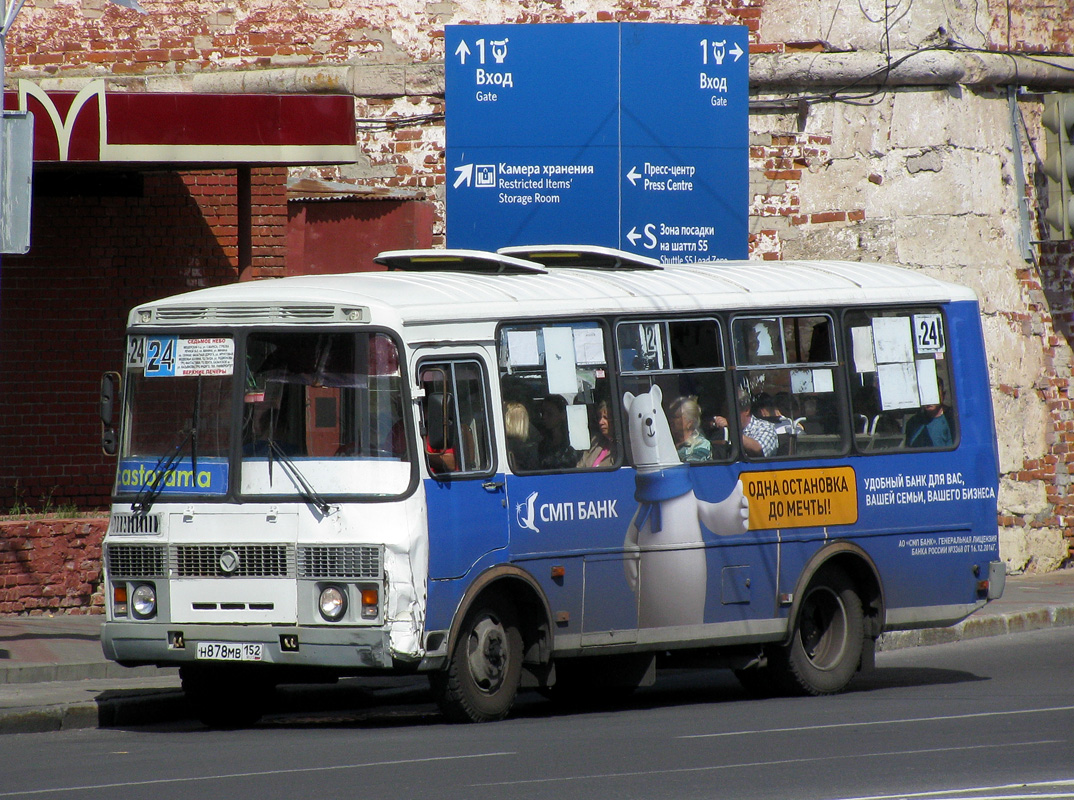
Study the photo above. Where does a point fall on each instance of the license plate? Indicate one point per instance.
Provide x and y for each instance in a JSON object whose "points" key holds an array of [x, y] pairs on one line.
{"points": [[222, 651]]}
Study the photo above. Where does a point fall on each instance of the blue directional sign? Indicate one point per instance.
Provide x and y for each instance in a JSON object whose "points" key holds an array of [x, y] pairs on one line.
{"points": [[629, 135]]}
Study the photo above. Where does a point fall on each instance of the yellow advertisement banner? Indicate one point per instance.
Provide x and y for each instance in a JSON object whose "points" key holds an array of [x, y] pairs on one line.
{"points": [[801, 498]]}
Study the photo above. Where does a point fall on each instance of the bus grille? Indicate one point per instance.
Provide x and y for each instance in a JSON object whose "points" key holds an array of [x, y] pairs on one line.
{"points": [[135, 560], [283, 313], [250, 561], [357, 561], [134, 523]]}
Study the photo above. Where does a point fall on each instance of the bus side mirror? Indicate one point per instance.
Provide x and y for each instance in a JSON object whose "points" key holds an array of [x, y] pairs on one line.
{"points": [[109, 396]]}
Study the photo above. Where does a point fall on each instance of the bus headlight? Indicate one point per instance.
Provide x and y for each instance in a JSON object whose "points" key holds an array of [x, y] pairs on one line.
{"points": [[332, 603], [144, 601]]}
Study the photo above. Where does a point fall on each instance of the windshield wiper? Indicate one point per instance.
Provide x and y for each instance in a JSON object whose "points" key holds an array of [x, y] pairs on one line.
{"points": [[304, 488], [165, 464], [145, 499]]}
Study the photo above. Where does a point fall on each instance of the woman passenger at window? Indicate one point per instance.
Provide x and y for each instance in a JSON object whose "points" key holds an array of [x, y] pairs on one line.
{"points": [[601, 452], [521, 450]]}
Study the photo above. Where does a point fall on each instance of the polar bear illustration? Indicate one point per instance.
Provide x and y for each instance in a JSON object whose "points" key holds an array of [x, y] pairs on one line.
{"points": [[668, 572]]}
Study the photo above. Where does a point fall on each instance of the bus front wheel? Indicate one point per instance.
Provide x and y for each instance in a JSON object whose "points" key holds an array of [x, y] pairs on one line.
{"points": [[824, 653], [485, 668]]}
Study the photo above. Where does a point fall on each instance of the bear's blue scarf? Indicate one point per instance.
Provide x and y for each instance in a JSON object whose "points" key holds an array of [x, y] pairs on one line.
{"points": [[653, 487]]}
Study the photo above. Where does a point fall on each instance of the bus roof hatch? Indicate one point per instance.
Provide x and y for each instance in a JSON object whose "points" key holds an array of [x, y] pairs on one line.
{"points": [[456, 261], [584, 256]]}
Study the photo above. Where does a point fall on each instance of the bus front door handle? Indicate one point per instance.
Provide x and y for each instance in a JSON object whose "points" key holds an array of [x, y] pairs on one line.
{"points": [[492, 486]]}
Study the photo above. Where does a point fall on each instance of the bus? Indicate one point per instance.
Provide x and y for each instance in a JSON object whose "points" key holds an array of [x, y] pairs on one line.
{"points": [[551, 467]]}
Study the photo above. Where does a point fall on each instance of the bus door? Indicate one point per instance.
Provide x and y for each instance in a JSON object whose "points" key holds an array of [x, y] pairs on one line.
{"points": [[570, 501], [465, 498]]}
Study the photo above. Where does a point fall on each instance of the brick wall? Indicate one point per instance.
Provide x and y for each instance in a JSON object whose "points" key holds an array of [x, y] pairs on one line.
{"points": [[51, 565], [1051, 286], [64, 308]]}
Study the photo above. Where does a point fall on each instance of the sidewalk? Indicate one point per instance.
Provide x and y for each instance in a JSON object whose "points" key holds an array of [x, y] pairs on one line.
{"points": [[54, 676]]}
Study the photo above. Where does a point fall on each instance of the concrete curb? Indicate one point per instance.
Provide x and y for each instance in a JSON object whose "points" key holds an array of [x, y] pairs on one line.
{"points": [[96, 670], [143, 707], [980, 627]]}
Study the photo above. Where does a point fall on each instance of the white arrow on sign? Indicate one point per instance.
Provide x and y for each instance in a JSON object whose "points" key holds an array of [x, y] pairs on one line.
{"points": [[462, 51], [633, 236], [736, 51], [634, 175], [466, 172]]}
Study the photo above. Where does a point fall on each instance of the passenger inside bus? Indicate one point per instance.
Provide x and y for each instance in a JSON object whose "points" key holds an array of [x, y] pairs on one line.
{"points": [[521, 448], [554, 447], [684, 416], [602, 449], [931, 426], [759, 437], [765, 408]]}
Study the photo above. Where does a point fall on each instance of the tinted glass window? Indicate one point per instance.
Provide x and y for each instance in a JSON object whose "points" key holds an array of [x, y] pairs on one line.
{"points": [[558, 411], [902, 394]]}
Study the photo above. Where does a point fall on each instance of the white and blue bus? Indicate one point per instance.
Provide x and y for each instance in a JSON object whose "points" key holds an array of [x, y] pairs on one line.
{"points": [[547, 467]]}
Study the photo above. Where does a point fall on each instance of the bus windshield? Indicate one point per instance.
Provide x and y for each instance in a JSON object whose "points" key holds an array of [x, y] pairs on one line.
{"points": [[178, 416], [321, 414], [329, 408]]}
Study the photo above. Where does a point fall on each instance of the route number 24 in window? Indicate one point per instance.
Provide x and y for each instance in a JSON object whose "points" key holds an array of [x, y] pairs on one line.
{"points": [[928, 333], [155, 356]]}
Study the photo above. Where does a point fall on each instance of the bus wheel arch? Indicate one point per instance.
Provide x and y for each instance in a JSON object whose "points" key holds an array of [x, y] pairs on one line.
{"points": [[834, 621], [862, 571], [499, 641]]}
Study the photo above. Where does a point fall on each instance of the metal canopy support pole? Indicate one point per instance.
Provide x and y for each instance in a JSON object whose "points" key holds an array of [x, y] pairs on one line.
{"points": [[8, 19], [1024, 235]]}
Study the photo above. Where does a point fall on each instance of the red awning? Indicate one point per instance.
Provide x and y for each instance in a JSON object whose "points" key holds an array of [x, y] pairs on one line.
{"points": [[99, 126]]}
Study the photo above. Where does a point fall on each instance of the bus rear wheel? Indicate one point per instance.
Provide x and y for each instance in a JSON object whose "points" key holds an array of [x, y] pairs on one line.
{"points": [[485, 667], [825, 651]]}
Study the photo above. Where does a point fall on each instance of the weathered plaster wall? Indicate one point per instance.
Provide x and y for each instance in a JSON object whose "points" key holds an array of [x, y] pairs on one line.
{"points": [[918, 171]]}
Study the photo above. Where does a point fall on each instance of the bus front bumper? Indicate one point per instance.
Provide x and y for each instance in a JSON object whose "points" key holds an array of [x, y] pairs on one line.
{"points": [[171, 645]]}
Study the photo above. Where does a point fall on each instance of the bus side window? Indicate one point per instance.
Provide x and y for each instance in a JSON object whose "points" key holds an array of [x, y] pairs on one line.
{"points": [[684, 357], [902, 395], [455, 422], [788, 391], [558, 413]]}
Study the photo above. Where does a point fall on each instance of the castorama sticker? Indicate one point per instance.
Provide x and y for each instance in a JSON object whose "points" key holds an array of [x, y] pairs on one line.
{"points": [[211, 476]]}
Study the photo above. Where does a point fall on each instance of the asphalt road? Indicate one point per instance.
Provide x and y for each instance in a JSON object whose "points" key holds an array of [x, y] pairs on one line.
{"points": [[988, 718]]}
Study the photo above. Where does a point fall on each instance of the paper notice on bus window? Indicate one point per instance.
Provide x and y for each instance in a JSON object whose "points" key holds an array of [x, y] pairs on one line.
{"points": [[893, 340], [559, 361], [898, 386], [801, 381], [589, 345], [172, 357], [823, 380], [522, 348], [928, 386], [207, 356], [578, 426], [862, 339]]}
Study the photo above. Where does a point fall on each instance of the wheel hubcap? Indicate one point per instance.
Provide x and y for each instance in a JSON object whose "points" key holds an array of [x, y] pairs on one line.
{"points": [[824, 628], [487, 654]]}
